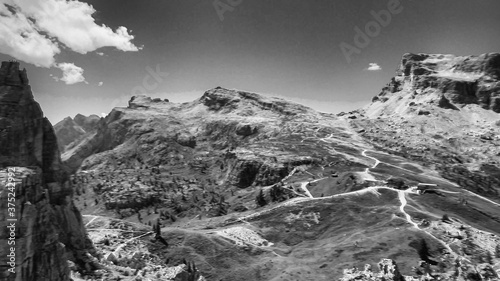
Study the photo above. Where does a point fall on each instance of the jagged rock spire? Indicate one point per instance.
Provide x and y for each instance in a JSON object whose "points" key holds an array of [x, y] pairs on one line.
{"points": [[11, 75]]}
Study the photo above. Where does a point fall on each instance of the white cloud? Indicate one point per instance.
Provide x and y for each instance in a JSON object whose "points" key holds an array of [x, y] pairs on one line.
{"points": [[100, 53], [100, 84], [72, 74], [34, 31], [21, 39], [374, 67]]}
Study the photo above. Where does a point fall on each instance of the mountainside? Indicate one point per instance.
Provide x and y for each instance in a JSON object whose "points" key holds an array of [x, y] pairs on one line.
{"points": [[447, 81], [255, 188], [442, 111], [69, 130], [41, 228]]}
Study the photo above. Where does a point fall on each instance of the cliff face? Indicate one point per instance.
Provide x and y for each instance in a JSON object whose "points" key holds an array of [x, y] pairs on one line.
{"points": [[49, 228], [447, 80], [443, 110]]}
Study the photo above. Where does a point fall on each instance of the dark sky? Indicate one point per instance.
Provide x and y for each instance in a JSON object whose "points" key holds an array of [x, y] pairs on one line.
{"points": [[286, 48]]}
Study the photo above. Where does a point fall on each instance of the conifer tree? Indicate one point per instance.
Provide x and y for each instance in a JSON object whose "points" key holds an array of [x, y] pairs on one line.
{"points": [[260, 199]]}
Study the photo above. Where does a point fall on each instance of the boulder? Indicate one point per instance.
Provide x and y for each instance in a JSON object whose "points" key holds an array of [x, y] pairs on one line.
{"points": [[246, 130], [186, 139]]}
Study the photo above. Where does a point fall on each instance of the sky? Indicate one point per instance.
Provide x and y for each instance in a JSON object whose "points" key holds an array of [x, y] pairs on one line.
{"points": [[90, 56]]}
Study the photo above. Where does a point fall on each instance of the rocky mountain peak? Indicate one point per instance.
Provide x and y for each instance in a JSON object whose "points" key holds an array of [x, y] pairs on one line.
{"points": [[18, 110], [225, 100], [70, 129], [420, 64], [87, 122], [447, 81], [11, 75]]}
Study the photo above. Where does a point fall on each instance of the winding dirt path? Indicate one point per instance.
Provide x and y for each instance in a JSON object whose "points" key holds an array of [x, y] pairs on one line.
{"points": [[303, 186], [404, 202], [373, 158], [402, 199], [118, 249], [93, 219]]}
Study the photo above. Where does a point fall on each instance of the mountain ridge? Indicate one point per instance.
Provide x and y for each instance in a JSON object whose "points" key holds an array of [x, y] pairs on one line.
{"points": [[303, 194]]}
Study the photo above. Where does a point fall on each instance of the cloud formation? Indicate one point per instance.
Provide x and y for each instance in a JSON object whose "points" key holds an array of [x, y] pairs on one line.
{"points": [[72, 74], [21, 39], [34, 31], [374, 67]]}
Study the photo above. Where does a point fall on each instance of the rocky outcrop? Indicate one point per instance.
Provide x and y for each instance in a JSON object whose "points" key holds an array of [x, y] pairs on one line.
{"points": [[70, 130], [27, 137], [88, 123], [246, 130], [224, 100], [105, 135], [11, 75], [67, 131], [139, 102], [49, 229], [186, 139], [143, 101], [461, 80], [388, 272]]}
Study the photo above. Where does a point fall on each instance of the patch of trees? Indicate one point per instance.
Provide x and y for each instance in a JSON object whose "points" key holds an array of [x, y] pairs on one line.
{"points": [[260, 200], [190, 274], [397, 183]]}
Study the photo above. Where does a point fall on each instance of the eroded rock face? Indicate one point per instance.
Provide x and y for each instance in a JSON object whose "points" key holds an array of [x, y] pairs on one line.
{"points": [[11, 75], [69, 130], [88, 123], [186, 139], [139, 102], [388, 272], [26, 134], [462, 80], [246, 130], [442, 110], [143, 101], [49, 228]]}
